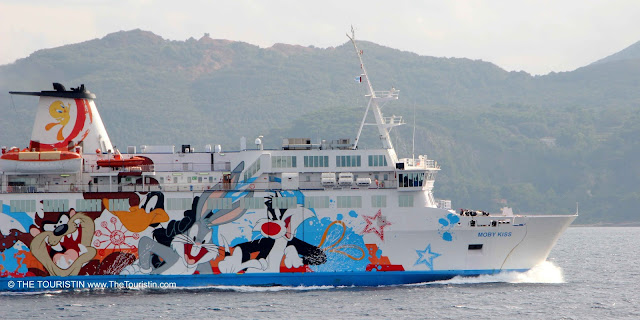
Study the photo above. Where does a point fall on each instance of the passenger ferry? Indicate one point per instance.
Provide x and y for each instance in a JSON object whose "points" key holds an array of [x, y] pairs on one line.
{"points": [[77, 213]]}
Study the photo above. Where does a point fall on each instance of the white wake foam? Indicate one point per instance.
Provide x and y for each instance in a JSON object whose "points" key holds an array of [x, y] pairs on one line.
{"points": [[546, 272]]}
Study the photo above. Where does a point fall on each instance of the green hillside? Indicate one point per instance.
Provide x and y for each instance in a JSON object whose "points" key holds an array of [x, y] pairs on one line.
{"points": [[539, 144]]}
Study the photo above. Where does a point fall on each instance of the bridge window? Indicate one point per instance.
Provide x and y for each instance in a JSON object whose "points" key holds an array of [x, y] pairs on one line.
{"points": [[411, 179]]}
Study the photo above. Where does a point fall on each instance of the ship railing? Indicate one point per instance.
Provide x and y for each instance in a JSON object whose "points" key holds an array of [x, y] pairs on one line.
{"points": [[386, 94], [162, 167], [380, 184], [94, 168], [190, 187], [420, 163]]}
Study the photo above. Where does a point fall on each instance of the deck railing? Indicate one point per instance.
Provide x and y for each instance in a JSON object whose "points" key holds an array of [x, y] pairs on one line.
{"points": [[184, 187]]}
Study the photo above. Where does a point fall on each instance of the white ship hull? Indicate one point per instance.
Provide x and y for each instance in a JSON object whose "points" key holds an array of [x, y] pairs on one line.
{"points": [[410, 245]]}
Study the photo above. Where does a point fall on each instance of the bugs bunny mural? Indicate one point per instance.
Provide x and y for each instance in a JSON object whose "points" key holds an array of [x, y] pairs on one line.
{"points": [[184, 246]]}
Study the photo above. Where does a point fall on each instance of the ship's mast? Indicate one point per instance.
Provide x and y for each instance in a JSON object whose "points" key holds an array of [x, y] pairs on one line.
{"points": [[375, 97]]}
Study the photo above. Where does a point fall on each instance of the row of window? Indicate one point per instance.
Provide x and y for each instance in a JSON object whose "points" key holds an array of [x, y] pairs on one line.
{"points": [[411, 179], [56, 205], [316, 161], [23, 205], [179, 203], [283, 161], [377, 161], [348, 161], [317, 202], [62, 205], [90, 205], [323, 161]]}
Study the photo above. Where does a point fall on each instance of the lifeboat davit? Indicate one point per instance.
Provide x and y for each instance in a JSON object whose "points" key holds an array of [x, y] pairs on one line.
{"points": [[41, 161], [118, 161]]}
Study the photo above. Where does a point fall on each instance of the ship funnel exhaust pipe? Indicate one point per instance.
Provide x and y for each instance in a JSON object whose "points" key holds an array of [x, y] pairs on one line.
{"points": [[67, 119]]}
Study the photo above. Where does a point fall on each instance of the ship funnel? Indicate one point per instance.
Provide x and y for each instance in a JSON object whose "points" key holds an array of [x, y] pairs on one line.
{"points": [[66, 119]]}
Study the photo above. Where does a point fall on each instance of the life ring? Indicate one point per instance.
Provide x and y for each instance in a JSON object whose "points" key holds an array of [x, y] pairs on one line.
{"points": [[252, 186]]}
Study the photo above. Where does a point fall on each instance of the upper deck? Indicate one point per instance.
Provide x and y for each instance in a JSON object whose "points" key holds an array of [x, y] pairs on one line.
{"points": [[186, 170]]}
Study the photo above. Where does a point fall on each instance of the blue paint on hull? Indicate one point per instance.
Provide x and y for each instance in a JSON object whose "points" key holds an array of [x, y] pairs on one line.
{"points": [[270, 279]]}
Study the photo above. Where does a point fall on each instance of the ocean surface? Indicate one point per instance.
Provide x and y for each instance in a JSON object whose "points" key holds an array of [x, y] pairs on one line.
{"points": [[592, 273]]}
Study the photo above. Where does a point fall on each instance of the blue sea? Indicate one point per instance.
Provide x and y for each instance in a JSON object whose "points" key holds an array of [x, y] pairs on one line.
{"points": [[592, 273]]}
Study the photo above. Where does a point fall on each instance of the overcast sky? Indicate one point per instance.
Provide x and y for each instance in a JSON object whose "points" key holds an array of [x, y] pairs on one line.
{"points": [[536, 36]]}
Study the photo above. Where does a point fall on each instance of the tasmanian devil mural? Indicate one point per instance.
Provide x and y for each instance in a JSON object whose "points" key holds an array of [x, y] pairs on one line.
{"points": [[278, 241], [62, 241]]}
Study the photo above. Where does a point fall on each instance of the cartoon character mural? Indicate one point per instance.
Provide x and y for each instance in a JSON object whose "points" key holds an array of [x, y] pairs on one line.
{"points": [[149, 212], [74, 119], [185, 246], [277, 244], [137, 236], [14, 242], [77, 243], [59, 112], [62, 241]]}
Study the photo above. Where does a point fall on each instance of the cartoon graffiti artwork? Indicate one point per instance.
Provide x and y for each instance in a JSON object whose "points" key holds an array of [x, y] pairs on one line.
{"points": [[60, 113], [426, 257], [113, 235], [149, 212], [62, 243], [180, 248], [14, 242], [376, 224], [446, 225], [144, 240], [277, 244], [74, 119], [12, 230], [185, 246]]}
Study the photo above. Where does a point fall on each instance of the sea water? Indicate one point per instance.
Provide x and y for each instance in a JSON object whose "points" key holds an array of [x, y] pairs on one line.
{"points": [[592, 273]]}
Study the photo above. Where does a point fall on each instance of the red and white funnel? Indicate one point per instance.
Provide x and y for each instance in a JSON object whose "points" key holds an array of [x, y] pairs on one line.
{"points": [[66, 119]]}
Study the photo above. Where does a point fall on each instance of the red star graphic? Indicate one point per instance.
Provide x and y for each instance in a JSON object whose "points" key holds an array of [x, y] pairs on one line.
{"points": [[376, 224]]}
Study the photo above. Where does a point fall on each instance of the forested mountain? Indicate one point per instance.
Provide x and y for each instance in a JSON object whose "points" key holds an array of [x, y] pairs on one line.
{"points": [[536, 143]]}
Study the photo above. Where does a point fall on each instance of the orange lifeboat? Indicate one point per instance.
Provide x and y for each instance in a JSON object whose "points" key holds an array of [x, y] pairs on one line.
{"points": [[41, 161], [118, 161]]}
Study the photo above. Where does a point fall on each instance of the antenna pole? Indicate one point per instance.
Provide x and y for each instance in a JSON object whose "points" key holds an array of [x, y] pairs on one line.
{"points": [[384, 124], [413, 140]]}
